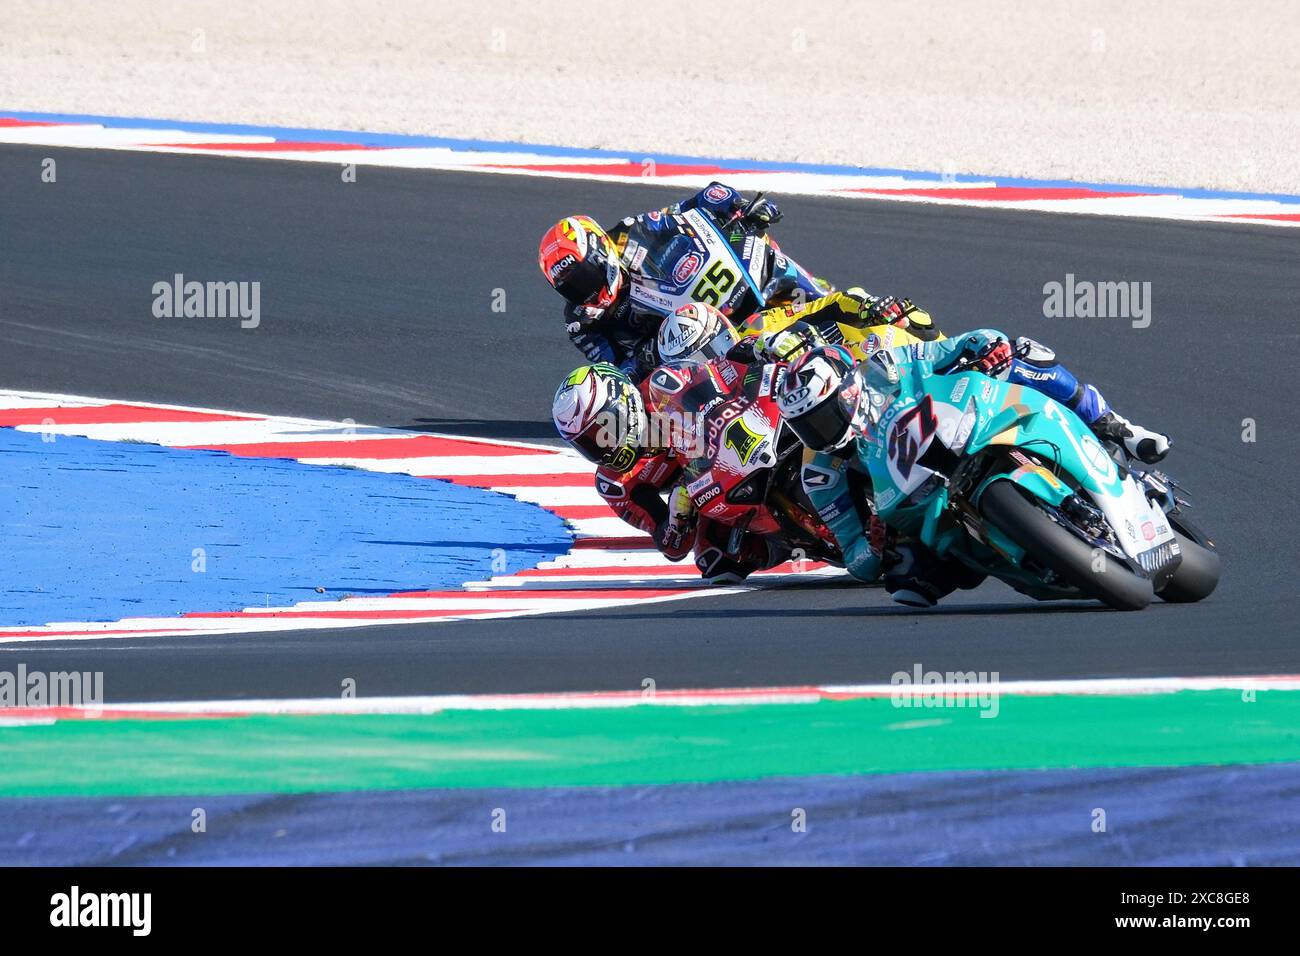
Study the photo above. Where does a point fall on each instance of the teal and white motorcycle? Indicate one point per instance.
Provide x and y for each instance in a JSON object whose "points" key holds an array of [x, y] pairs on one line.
{"points": [[1015, 485]]}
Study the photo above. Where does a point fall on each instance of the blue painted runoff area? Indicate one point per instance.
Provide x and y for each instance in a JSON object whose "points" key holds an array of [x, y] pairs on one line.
{"points": [[1164, 816], [97, 531], [298, 135]]}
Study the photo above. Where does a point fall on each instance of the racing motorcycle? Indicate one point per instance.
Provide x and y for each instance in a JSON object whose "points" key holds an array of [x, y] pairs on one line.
{"points": [[742, 461], [1014, 484], [728, 265], [859, 340]]}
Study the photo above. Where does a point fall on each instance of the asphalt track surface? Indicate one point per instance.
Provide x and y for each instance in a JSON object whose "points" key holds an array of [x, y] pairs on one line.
{"points": [[376, 306]]}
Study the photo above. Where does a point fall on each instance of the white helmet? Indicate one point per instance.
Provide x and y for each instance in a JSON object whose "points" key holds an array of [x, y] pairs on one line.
{"points": [[695, 333], [599, 412], [819, 398]]}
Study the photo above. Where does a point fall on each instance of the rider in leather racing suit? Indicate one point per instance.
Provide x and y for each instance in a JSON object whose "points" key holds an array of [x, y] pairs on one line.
{"points": [[638, 467], [707, 362], [829, 421], [853, 307], [641, 456], [676, 527], [592, 270]]}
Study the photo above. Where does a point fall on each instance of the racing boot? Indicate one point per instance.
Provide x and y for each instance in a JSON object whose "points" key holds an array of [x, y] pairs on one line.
{"points": [[755, 552], [920, 578], [718, 569], [1142, 443]]}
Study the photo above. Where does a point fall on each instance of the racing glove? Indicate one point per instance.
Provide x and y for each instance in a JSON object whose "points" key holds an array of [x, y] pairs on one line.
{"points": [[884, 310], [789, 343], [994, 359], [765, 213], [580, 317], [882, 541], [675, 538], [891, 310]]}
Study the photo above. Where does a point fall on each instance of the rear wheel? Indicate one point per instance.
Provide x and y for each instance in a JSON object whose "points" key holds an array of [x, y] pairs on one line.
{"points": [[1053, 546]]}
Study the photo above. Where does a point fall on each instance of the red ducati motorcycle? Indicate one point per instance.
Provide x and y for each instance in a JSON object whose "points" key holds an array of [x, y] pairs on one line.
{"points": [[743, 463]]}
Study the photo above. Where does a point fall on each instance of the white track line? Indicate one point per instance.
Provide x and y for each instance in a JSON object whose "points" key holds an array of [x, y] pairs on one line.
{"points": [[625, 169], [713, 697]]}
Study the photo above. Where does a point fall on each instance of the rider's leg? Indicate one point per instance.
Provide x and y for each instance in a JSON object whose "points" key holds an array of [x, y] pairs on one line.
{"points": [[717, 566], [919, 577], [1035, 365]]}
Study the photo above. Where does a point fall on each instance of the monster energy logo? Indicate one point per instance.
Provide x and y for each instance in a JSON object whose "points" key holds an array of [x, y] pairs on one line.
{"points": [[579, 375]]}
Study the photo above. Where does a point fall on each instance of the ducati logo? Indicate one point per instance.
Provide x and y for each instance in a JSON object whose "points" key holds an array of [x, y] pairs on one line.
{"points": [[814, 477], [666, 381]]}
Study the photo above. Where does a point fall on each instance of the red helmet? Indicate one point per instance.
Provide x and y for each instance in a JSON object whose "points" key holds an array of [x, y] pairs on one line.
{"points": [[581, 262]]}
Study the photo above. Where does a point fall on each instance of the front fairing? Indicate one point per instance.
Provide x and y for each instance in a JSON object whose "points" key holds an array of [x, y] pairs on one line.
{"points": [[969, 413], [692, 259], [729, 482], [780, 278]]}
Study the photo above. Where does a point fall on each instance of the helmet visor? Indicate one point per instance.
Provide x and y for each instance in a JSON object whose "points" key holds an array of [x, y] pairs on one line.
{"points": [[611, 439], [824, 427], [717, 347], [584, 281]]}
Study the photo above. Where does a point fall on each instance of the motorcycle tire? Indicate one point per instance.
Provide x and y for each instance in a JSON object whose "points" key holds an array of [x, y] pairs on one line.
{"points": [[1053, 546], [1197, 575]]}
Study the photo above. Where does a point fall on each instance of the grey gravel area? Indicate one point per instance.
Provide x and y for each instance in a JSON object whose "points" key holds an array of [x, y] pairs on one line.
{"points": [[1188, 93]]}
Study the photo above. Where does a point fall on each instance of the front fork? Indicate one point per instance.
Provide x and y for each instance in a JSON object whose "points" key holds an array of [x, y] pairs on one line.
{"points": [[1162, 490]]}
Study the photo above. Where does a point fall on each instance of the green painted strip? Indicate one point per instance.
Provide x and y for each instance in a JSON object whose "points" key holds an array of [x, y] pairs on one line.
{"points": [[640, 745]]}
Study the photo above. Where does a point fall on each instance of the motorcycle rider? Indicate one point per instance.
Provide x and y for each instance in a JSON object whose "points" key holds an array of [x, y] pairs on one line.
{"points": [[641, 449], [822, 401], [592, 270], [853, 307], [638, 467]]}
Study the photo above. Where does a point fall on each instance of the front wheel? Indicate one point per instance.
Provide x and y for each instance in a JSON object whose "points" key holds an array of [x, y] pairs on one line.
{"points": [[1196, 576], [1052, 546]]}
